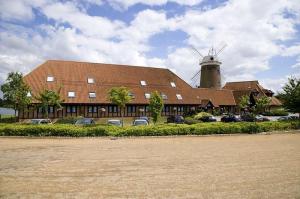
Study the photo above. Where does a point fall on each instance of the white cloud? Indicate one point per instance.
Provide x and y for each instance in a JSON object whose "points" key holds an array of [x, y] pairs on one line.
{"points": [[251, 29]]}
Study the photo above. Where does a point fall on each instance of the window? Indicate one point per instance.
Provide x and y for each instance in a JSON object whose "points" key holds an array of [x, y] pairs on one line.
{"points": [[51, 109], [28, 94], [92, 109], [130, 109], [90, 80], [179, 96], [112, 109], [50, 79], [164, 96], [173, 84], [92, 94], [71, 109], [147, 95], [143, 83], [71, 94], [166, 108]]}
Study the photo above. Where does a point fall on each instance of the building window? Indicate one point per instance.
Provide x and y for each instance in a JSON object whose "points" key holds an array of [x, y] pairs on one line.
{"points": [[130, 109], [92, 109], [71, 109], [90, 80], [164, 96], [50, 79], [28, 94], [71, 94], [173, 84], [143, 83], [51, 109], [180, 109], [112, 109], [92, 94], [166, 108], [179, 97], [147, 95]]}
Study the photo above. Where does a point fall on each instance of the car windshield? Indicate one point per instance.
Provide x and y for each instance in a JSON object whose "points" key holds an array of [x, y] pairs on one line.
{"points": [[140, 122], [34, 121], [83, 121], [115, 122]]}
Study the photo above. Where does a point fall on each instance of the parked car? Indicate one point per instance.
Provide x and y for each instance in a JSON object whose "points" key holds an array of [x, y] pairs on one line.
{"points": [[140, 122], [230, 118], [248, 117], [261, 118], [40, 121], [208, 119], [114, 122], [145, 118], [178, 119], [84, 121], [284, 118]]}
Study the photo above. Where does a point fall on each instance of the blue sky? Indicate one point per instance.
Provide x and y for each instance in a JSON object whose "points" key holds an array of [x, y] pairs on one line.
{"points": [[262, 37]]}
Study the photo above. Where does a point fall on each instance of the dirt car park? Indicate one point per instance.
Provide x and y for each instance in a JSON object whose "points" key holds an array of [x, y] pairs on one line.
{"points": [[240, 166]]}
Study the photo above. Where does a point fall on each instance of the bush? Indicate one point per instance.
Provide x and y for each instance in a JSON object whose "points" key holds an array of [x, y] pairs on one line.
{"points": [[151, 130], [191, 120], [277, 112], [67, 120], [202, 115]]}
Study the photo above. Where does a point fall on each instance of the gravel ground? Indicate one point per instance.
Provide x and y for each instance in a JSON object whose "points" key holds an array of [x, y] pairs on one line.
{"points": [[243, 166]]}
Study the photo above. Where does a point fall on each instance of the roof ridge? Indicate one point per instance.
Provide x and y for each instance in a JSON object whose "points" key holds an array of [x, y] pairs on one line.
{"points": [[126, 65], [243, 81]]}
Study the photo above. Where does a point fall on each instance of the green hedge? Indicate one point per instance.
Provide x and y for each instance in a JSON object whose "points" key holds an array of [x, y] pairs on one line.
{"points": [[157, 130]]}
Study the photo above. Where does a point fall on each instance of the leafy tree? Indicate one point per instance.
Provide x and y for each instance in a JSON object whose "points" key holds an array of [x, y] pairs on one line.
{"points": [[155, 105], [244, 102], [15, 92], [261, 104], [120, 96], [48, 98], [291, 95]]}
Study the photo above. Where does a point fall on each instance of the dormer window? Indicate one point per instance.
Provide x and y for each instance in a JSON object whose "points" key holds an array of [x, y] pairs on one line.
{"points": [[147, 95], [179, 97], [143, 83], [173, 84], [90, 80], [71, 94], [164, 96], [28, 94], [50, 78], [92, 94]]}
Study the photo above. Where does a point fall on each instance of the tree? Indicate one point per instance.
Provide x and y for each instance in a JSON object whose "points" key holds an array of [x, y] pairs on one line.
{"points": [[120, 96], [261, 104], [155, 105], [244, 102], [48, 98], [15, 92], [291, 95]]}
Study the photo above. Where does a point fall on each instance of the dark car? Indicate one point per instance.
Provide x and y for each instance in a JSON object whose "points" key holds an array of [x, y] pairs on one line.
{"points": [[208, 119], [140, 122], [248, 117], [175, 119], [230, 118], [260, 118], [84, 121], [285, 118]]}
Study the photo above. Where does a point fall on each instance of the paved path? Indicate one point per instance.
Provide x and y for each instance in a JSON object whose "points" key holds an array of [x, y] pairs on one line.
{"points": [[245, 166]]}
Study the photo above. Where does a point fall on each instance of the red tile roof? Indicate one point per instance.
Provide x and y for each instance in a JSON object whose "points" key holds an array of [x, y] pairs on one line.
{"points": [[219, 97], [72, 76]]}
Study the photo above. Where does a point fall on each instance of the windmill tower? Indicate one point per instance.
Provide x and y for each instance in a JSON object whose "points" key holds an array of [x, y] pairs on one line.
{"points": [[210, 75]]}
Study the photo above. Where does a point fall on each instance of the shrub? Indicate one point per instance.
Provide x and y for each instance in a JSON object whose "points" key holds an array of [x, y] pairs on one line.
{"points": [[151, 130], [202, 115], [277, 112], [67, 120], [191, 120]]}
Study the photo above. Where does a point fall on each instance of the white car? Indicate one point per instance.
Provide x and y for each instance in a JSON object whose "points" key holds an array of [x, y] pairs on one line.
{"points": [[114, 122], [140, 122], [41, 121]]}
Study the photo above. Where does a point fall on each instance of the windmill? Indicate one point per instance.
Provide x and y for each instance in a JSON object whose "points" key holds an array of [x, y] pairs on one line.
{"points": [[209, 76]]}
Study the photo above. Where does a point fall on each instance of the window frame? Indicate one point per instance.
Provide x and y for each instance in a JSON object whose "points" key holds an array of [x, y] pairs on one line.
{"points": [[70, 96]]}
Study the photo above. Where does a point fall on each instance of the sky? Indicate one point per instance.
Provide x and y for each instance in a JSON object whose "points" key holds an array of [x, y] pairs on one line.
{"points": [[262, 37]]}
